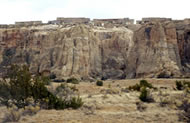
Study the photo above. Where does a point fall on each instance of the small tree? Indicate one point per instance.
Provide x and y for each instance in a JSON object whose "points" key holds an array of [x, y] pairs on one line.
{"points": [[145, 95], [143, 83], [99, 83], [21, 86], [73, 80], [179, 85]]}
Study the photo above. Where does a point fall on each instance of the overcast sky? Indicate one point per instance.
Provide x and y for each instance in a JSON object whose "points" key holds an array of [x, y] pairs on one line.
{"points": [[26, 10]]}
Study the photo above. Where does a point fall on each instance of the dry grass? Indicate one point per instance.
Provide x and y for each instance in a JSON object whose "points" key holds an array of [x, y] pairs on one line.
{"points": [[111, 103]]}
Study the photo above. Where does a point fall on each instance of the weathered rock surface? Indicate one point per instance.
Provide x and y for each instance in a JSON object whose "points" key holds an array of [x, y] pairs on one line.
{"points": [[84, 51], [155, 51]]}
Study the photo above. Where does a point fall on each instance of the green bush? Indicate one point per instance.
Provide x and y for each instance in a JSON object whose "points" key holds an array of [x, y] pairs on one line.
{"points": [[143, 83], [73, 80], [186, 84], [185, 114], [135, 87], [30, 110], [145, 95], [64, 91], [22, 85], [163, 75], [58, 80], [68, 93], [181, 85], [45, 79], [75, 103], [19, 86], [99, 83], [52, 76]]}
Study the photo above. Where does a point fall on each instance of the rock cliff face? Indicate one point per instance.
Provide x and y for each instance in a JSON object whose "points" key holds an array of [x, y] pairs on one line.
{"points": [[155, 51], [84, 51]]}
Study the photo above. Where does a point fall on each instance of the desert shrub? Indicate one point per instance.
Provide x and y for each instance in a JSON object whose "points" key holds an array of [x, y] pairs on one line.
{"points": [[31, 110], [185, 114], [143, 83], [163, 75], [4, 93], [145, 95], [181, 85], [69, 94], [52, 76], [165, 101], [46, 80], [66, 92], [135, 87], [13, 115], [186, 84], [21, 86], [58, 80], [73, 80], [75, 102], [99, 83]]}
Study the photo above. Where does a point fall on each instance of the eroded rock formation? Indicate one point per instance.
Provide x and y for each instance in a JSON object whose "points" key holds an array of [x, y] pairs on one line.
{"points": [[87, 51]]}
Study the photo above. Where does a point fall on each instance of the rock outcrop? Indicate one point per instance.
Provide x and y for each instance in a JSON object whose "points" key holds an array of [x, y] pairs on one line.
{"points": [[84, 51], [155, 51]]}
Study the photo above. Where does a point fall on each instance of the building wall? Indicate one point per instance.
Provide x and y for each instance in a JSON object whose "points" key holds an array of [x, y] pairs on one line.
{"points": [[145, 20], [28, 23], [116, 22], [73, 20]]}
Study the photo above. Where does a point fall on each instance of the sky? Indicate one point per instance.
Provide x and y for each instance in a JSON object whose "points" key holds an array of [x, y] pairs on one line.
{"points": [[27, 10]]}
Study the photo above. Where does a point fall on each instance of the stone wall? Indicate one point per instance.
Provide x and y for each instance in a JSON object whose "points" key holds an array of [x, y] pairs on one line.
{"points": [[73, 20], [53, 22], [3, 26], [28, 23], [146, 20], [113, 22]]}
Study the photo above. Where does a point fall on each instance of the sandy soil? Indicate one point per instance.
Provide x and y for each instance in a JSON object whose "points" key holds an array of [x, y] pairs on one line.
{"points": [[111, 103]]}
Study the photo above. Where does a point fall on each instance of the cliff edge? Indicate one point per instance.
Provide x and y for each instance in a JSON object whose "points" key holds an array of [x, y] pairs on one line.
{"points": [[151, 49]]}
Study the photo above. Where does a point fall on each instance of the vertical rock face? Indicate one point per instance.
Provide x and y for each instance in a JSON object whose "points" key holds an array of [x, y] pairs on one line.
{"points": [[155, 51], [76, 51], [92, 52], [183, 37]]}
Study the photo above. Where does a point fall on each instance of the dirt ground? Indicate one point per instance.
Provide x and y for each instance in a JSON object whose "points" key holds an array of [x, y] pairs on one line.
{"points": [[112, 103]]}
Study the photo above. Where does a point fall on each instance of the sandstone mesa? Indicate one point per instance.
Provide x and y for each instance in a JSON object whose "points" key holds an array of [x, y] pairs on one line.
{"points": [[101, 48]]}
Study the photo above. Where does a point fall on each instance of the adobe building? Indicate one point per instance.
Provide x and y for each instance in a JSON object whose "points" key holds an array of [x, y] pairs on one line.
{"points": [[113, 22], [147, 20], [3, 26], [28, 23], [62, 20]]}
